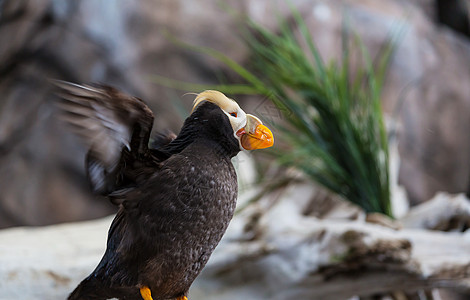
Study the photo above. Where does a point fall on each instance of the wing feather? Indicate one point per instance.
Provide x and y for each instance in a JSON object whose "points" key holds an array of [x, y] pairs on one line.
{"points": [[107, 121]]}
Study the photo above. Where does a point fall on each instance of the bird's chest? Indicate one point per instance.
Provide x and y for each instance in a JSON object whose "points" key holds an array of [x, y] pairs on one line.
{"points": [[208, 189], [206, 201], [191, 227], [199, 204]]}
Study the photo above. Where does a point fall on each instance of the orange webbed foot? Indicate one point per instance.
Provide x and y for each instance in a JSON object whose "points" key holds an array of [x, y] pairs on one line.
{"points": [[146, 293]]}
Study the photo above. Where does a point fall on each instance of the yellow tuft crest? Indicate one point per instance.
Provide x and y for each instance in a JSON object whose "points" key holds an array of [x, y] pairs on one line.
{"points": [[215, 97]]}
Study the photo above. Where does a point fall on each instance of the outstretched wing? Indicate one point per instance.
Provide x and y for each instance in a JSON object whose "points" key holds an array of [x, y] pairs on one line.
{"points": [[115, 126]]}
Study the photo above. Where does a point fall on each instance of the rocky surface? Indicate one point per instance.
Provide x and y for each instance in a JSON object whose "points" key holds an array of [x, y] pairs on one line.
{"points": [[272, 250], [121, 43], [48, 262]]}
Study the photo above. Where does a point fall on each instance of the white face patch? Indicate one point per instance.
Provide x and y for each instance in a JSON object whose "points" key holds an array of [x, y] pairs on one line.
{"points": [[235, 114], [237, 118]]}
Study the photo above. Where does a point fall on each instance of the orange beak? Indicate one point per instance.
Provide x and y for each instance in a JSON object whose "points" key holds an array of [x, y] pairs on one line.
{"points": [[255, 135]]}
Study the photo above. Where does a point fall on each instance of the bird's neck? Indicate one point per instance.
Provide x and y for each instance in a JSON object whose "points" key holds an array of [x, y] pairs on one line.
{"points": [[189, 135], [180, 142], [193, 142], [216, 148]]}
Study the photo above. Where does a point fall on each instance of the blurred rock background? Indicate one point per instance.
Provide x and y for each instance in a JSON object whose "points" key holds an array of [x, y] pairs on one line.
{"points": [[122, 43]]}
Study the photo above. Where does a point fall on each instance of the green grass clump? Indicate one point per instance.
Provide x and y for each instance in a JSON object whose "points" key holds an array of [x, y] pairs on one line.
{"points": [[334, 124], [335, 130]]}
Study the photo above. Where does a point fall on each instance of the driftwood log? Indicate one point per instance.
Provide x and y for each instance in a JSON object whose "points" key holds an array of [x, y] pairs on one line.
{"points": [[296, 256], [273, 250]]}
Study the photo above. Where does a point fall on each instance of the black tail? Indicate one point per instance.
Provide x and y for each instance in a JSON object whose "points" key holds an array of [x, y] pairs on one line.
{"points": [[87, 289], [92, 289], [80, 291]]}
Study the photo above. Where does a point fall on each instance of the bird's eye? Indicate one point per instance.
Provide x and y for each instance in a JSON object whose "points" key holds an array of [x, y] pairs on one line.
{"points": [[233, 114]]}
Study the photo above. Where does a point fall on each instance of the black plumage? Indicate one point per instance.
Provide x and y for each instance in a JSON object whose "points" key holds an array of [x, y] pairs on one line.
{"points": [[175, 199]]}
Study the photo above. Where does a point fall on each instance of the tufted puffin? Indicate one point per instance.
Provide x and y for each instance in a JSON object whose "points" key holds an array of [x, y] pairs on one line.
{"points": [[176, 197]]}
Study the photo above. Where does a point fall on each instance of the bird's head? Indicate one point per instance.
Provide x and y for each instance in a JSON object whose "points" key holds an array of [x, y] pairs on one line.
{"points": [[247, 129]]}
